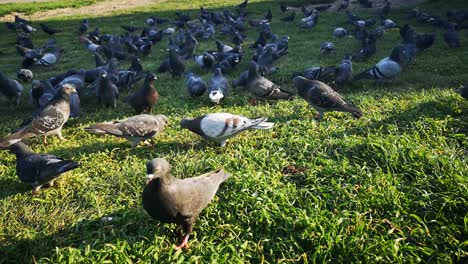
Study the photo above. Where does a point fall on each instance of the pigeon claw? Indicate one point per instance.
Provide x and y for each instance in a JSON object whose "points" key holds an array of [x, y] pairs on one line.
{"points": [[184, 243]]}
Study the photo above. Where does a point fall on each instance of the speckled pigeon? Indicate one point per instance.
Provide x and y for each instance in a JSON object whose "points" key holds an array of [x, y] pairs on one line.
{"points": [[39, 169], [323, 98], [263, 88], [135, 129], [171, 200], [219, 127], [48, 121]]}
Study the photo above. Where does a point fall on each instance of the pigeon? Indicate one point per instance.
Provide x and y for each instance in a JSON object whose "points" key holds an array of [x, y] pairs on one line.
{"points": [[339, 32], [223, 47], [20, 20], [144, 100], [311, 20], [387, 68], [41, 92], [48, 121], [464, 91], [243, 5], [176, 64], [38, 170], [196, 86], [48, 30], [289, 18], [343, 5], [369, 48], [227, 64], [451, 36], [171, 200], [50, 58], [106, 92], [27, 28], [217, 87], [263, 88], [205, 61], [388, 23], [130, 29], [344, 71], [317, 73], [219, 127], [323, 98], [10, 88], [135, 129], [25, 75], [84, 26], [326, 47], [241, 80]]}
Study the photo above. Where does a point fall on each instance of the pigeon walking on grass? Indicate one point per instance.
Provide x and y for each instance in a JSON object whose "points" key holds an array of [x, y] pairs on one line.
{"points": [[38, 170], [261, 87], [10, 88], [49, 121], [219, 127], [387, 68], [196, 86], [323, 98], [144, 99], [171, 200], [135, 129]]}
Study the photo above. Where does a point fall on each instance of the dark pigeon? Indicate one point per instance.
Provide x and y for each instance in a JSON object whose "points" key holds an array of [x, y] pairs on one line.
{"points": [[289, 18], [176, 64], [19, 20], [241, 80], [219, 127], [263, 88], [171, 200], [10, 88], [344, 71], [49, 121], [135, 129], [317, 73], [217, 87], [243, 5], [323, 98], [144, 99], [451, 36], [107, 93], [39, 169], [49, 30], [196, 86]]}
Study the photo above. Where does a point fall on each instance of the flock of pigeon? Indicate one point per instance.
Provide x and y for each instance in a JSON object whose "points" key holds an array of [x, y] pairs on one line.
{"points": [[181, 200]]}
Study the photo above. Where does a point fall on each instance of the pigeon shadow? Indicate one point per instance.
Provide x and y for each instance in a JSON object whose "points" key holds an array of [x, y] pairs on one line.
{"points": [[12, 186]]}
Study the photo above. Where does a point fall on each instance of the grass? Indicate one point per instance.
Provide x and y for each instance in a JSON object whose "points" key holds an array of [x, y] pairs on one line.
{"points": [[390, 187], [32, 7]]}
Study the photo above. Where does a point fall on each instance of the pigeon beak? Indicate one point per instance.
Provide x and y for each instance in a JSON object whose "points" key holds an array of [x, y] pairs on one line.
{"points": [[149, 177], [74, 90]]}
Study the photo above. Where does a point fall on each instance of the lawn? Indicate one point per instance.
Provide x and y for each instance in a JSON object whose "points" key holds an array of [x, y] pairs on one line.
{"points": [[390, 187], [32, 7]]}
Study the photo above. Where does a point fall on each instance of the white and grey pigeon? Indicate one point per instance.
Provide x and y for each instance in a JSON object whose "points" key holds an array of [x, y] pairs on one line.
{"points": [[339, 32], [387, 68], [218, 87], [135, 129], [196, 86], [39, 169], [205, 60], [219, 127], [48, 121], [10, 88]]}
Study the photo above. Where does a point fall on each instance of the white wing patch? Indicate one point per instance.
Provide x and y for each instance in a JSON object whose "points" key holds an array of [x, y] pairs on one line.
{"points": [[220, 125]]}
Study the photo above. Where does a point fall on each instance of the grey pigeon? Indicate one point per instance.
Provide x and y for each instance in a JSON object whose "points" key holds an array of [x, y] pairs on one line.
{"points": [[219, 127], [317, 73], [310, 21], [25, 75], [107, 93], [339, 32], [323, 98], [326, 47], [205, 61], [48, 121], [10, 88], [241, 80], [50, 58], [135, 129], [39, 169], [263, 88], [144, 99], [344, 71], [387, 68], [451, 36], [217, 87], [171, 200], [196, 86]]}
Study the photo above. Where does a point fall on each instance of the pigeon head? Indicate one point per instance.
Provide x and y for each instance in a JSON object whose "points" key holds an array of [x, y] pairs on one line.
{"points": [[185, 123], [163, 119], [157, 168], [20, 149], [25, 75], [151, 77], [68, 89], [398, 54]]}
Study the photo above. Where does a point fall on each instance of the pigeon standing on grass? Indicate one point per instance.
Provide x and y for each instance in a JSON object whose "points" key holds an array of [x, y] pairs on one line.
{"points": [[10, 88], [196, 86], [451, 36], [39, 169], [171, 200], [219, 127], [387, 68], [263, 88], [135, 129], [323, 98], [107, 93], [144, 100], [49, 121], [344, 71], [49, 30]]}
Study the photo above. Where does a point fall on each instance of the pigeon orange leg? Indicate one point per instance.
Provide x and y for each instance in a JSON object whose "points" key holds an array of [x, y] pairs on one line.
{"points": [[45, 140], [184, 243]]}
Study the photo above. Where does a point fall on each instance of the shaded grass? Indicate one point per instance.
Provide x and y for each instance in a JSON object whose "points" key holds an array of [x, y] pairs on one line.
{"points": [[32, 7], [389, 187]]}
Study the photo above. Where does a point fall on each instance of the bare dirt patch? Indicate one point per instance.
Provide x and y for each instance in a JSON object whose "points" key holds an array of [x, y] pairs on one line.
{"points": [[101, 8]]}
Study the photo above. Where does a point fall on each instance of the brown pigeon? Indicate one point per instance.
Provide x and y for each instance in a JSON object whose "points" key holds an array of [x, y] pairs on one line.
{"points": [[144, 100], [171, 200]]}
